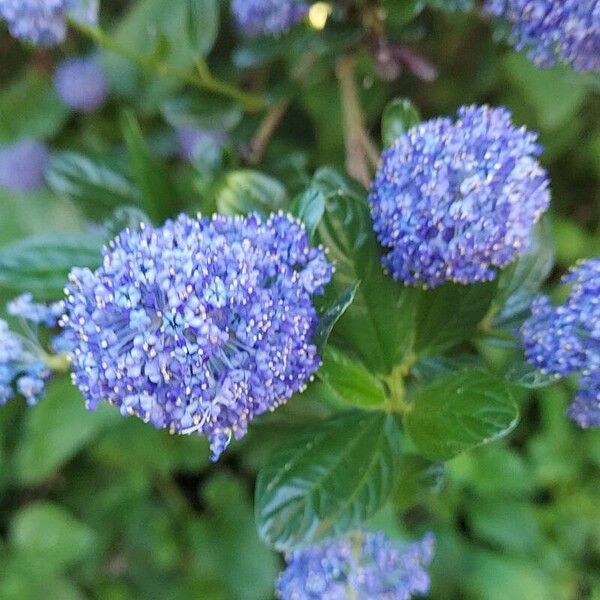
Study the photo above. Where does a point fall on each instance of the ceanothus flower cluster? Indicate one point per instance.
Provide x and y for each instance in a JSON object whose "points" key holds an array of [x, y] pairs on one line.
{"points": [[81, 83], [44, 22], [361, 566], [565, 340], [254, 18], [22, 364], [200, 325], [454, 201], [553, 30], [22, 165]]}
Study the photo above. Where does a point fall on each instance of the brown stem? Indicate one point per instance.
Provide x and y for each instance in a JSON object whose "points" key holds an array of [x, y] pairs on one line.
{"points": [[260, 141], [355, 132]]}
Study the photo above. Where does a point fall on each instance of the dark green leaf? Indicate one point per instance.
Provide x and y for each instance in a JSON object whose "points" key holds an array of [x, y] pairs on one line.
{"points": [[329, 481], [417, 479], [449, 315], [55, 430], [203, 25], [398, 117], [526, 375], [309, 208], [461, 411], [124, 217], [90, 182], [247, 191], [332, 315], [205, 112], [41, 264], [379, 324], [157, 194], [350, 380]]}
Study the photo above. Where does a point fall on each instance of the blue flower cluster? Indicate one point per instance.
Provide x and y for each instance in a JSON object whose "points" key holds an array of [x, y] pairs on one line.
{"points": [[254, 18], [552, 30], [22, 165], [44, 22], [200, 325], [81, 83], [565, 340], [21, 358], [365, 566], [456, 200]]}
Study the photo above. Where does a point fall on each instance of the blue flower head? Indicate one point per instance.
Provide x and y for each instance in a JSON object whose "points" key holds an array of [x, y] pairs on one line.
{"points": [[22, 165], [364, 565], [254, 18], [565, 340], [553, 30], [81, 83], [44, 22], [454, 201], [200, 325]]}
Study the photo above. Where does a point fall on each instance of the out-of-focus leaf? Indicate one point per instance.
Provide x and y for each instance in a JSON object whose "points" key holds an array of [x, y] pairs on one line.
{"points": [[331, 315], [55, 430], [417, 479], [203, 25], [248, 191], [526, 375], [350, 380], [206, 111], [309, 207], [459, 412], [41, 264], [398, 117], [328, 481]]}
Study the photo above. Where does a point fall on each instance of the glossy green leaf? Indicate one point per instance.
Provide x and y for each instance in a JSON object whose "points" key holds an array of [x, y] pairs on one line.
{"points": [[350, 381], [331, 315], [55, 430], [379, 325], [203, 25], [417, 480], [41, 264], [398, 117], [328, 481], [205, 111], [157, 193], [248, 191], [91, 182], [527, 376], [461, 411], [449, 315], [309, 207]]}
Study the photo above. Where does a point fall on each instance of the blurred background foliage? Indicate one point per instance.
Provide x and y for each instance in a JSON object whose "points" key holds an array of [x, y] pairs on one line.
{"points": [[97, 506]]}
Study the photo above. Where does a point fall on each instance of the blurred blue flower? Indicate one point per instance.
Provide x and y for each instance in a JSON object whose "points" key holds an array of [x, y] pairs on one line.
{"points": [[44, 22], [454, 201], [565, 340], [204, 146], [22, 165], [553, 30], [200, 325], [81, 83], [364, 565], [254, 18], [34, 312]]}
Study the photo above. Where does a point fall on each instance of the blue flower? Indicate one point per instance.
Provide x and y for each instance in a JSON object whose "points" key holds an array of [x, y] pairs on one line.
{"points": [[565, 340], [22, 165], [553, 30], [364, 565], [454, 201], [39, 314], [254, 18], [200, 325], [201, 145], [81, 83], [43, 22]]}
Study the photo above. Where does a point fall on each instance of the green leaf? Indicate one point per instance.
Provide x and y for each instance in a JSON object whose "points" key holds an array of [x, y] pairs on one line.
{"points": [[379, 324], [206, 111], [332, 315], [350, 381], [309, 207], [459, 412], [41, 264], [55, 430], [417, 480], [203, 25], [527, 376], [30, 108], [248, 191], [449, 315], [47, 533], [150, 174], [91, 182], [398, 117], [327, 481]]}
